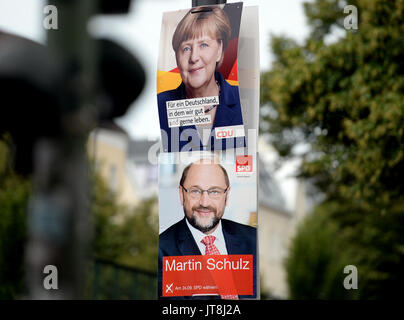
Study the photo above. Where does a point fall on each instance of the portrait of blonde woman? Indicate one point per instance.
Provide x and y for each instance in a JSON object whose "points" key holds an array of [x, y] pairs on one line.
{"points": [[199, 43]]}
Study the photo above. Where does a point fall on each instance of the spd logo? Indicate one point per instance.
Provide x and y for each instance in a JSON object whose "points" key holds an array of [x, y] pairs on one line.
{"points": [[244, 164]]}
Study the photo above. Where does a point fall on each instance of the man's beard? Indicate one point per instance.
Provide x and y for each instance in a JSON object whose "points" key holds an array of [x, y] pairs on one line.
{"points": [[197, 222]]}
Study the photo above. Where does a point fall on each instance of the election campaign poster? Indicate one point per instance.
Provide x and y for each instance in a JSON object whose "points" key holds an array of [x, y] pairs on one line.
{"points": [[208, 226], [198, 96]]}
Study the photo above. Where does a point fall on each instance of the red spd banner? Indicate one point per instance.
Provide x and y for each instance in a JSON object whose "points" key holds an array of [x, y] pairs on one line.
{"points": [[244, 165], [207, 274]]}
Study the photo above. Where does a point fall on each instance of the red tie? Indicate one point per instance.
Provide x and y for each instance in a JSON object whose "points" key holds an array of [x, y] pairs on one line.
{"points": [[212, 249]]}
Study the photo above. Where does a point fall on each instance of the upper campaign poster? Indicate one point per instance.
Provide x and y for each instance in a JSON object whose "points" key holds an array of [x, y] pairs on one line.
{"points": [[197, 79]]}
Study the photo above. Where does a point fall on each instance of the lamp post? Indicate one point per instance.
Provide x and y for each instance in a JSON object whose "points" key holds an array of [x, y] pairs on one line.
{"points": [[59, 220]]}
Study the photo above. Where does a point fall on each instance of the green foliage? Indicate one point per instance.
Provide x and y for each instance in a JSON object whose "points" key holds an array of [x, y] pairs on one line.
{"points": [[316, 262], [344, 99], [14, 195], [106, 243], [122, 235], [344, 102], [341, 233], [140, 234], [124, 239], [324, 15]]}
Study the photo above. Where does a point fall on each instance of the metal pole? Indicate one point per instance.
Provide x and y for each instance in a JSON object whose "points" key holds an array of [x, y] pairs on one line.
{"points": [[196, 3], [59, 222]]}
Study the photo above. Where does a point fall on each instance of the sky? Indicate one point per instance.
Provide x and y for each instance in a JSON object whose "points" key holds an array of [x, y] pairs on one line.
{"points": [[139, 32]]}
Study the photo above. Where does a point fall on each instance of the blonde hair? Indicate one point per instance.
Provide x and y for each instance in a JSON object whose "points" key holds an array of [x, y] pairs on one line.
{"points": [[199, 20]]}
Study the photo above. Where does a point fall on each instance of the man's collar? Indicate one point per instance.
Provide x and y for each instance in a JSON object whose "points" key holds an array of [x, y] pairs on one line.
{"points": [[199, 235]]}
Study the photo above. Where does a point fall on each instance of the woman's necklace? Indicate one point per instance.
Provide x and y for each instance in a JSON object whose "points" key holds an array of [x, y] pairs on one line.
{"points": [[215, 105]]}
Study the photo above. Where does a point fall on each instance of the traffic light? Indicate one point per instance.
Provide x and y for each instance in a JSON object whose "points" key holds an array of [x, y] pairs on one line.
{"points": [[114, 7], [30, 82], [37, 91], [121, 79]]}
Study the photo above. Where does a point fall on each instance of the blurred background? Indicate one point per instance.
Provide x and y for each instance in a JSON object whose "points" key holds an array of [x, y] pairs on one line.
{"points": [[79, 118]]}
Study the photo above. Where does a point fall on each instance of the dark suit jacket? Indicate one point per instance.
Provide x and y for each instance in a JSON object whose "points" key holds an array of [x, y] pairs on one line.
{"points": [[178, 241], [228, 114]]}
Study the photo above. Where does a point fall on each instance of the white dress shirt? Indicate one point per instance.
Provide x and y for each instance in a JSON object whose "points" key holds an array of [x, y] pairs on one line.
{"points": [[218, 233]]}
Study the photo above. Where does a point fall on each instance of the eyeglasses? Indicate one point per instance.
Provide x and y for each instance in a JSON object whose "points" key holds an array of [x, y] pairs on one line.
{"points": [[196, 193]]}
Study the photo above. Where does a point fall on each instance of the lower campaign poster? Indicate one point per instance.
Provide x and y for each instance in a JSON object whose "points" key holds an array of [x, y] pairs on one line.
{"points": [[208, 226]]}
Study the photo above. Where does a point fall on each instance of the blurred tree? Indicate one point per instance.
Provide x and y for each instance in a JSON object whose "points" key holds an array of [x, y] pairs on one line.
{"points": [[345, 100], [338, 233], [14, 194], [316, 260], [340, 106], [122, 235], [140, 235], [106, 242]]}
